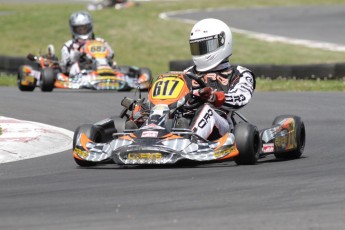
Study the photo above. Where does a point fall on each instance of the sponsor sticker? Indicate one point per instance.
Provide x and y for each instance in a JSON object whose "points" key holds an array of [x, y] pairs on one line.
{"points": [[223, 152], [281, 142], [81, 153], [268, 148], [149, 134], [145, 156]]}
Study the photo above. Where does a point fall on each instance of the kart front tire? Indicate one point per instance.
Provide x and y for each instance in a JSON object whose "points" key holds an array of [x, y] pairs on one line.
{"points": [[247, 142], [94, 133], [47, 79], [300, 138], [21, 76]]}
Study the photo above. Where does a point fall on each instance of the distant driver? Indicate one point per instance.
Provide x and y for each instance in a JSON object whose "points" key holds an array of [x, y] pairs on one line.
{"points": [[81, 25]]}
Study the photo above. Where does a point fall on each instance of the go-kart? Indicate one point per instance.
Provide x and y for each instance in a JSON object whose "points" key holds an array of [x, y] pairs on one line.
{"points": [[31, 76], [97, 73], [117, 4], [157, 132]]}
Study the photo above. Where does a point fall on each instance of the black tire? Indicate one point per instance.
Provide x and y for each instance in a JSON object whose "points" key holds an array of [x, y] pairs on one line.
{"points": [[125, 70], [117, 128], [20, 77], [108, 129], [47, 79], [94, 133], [300, 138], [147, 72], [247, 141]]}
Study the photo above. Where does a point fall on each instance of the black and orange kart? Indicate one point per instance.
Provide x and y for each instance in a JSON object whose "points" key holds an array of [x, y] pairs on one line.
{"points": [[97, 73], [153, 133]]}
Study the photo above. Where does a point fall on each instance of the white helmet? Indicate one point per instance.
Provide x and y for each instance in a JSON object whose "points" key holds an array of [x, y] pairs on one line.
{"points": [[81, 25], [210, 43]]}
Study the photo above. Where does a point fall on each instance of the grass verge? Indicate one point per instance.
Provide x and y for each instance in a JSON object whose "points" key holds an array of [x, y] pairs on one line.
{"points": [[140, 38]]}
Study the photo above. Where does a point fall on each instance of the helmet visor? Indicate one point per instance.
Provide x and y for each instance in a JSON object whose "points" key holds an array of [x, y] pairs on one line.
{"points": [[206, 45], [82, 29]]}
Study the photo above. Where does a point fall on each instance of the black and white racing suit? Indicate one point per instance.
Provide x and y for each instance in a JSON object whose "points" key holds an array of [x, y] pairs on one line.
{"points": [[237, 83], [70, 54]]}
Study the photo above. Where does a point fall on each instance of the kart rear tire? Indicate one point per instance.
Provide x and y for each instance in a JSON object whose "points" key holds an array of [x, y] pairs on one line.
{"points": [[21, 75], [300, 138], [47, 79], [247, 141], [94, 133]]}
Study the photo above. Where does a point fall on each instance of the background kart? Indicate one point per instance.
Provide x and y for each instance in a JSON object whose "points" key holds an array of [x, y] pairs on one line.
{"points": [[117, 4], [164, 136], [97, 73]]}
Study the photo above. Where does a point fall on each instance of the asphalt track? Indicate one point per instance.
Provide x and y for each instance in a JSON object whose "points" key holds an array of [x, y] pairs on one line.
{"points": [[51, 192], [311, 26]]}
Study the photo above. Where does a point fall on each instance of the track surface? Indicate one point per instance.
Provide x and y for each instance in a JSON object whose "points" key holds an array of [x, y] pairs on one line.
{"points": [[318, 25], [53, 193]]}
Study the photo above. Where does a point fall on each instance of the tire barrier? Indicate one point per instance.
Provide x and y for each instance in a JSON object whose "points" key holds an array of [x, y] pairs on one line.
{"points": [[10, 65], [307, 72]]}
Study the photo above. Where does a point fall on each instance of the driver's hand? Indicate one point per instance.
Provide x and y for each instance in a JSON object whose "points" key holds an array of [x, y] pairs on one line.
{"points": [[214, 97], [78, 46]]}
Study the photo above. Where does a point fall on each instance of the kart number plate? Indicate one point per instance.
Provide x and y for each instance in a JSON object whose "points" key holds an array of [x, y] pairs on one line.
{"points": [[146, 156], [167, 88]]}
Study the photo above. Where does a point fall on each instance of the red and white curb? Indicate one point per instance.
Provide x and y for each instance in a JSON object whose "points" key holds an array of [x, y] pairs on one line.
{"points": [[26, 139]]}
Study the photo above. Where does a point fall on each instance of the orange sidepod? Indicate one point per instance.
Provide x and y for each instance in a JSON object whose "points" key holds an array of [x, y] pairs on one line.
{"points": [[222, 141], [83, 140], [63, 82], [75, 155], [233, 151]]}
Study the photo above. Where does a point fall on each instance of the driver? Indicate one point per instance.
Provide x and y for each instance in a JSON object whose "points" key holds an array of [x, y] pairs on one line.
{"points": [[228, 87], [81, 25]]}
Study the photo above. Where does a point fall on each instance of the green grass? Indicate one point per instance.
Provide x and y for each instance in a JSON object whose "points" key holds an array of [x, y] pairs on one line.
{"points": [[8, 80], [300, 85], [140, 38]]}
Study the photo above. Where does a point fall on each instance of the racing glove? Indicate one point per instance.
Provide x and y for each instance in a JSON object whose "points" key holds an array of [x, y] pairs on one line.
{"points": [[214, 97], [76, 51]]}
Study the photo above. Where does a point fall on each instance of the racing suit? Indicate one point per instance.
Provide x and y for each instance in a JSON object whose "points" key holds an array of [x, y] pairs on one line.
{"points": [[237, 83], [70, 55]]}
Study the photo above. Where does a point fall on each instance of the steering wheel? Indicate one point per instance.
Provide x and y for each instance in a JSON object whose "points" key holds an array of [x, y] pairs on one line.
{"points": [[196, 102]]}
